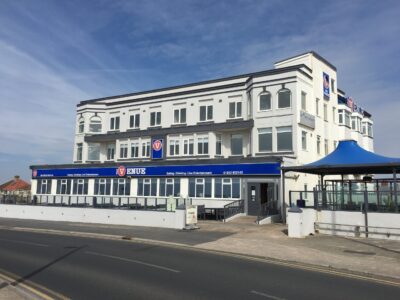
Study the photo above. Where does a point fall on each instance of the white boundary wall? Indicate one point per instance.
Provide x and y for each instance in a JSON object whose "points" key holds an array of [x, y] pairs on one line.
{"points": [[162, 219], [346, 223]]}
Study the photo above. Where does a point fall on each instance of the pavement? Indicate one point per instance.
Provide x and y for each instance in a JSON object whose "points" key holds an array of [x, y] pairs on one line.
{"points": [[360, 256]]}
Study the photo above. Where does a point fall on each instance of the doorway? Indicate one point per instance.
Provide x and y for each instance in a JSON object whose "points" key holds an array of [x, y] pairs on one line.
{"points": [[260, 194]]}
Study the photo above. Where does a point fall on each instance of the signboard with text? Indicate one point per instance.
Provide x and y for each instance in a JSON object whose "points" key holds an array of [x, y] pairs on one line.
{"points": [[172, 171], [326, 85]]}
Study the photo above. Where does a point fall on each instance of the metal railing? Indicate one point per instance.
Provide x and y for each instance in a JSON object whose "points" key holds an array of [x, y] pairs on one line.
{"points": [[112, 202], [373, 201], [233, 208], [357, 230], [267, 209]]}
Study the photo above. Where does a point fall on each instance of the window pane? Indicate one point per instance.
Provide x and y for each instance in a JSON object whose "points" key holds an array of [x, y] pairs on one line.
{"points": [[218, 188], [235, 188], [239, 109], [265, 102], [284, 138], [158, 118], [153, 187], [176, 116], [192, 187], [232, 110], [202, 113], [152, 119], [237, 144], [284, 99], [265, 139], [207, 187], [183, 115], [226, 190], [210, 113]]}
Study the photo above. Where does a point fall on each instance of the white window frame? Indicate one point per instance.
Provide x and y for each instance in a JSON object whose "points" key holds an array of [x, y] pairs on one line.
{"points": [[290, 98], [270, 101], [218, 144], [180, 115], [188, 144], [135, 149], [115, 123], [208, 113], [265, 131], [304, 140], [79, 151], [93, 123], [237, 108], [123, 150], [174, 143], [202, 149], [134, 120], [110, 151], [284, 129], [91, 147], [303, 101], [157, 118]]}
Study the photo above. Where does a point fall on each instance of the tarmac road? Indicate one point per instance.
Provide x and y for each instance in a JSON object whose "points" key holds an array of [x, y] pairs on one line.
{"points": [[87, 268]]}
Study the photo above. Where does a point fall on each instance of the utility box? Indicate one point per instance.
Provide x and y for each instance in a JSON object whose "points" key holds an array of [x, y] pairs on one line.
{"points": [[295, 222]]}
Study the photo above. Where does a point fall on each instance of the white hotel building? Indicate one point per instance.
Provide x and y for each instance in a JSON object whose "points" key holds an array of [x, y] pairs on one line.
{"points": [[215, 141]]}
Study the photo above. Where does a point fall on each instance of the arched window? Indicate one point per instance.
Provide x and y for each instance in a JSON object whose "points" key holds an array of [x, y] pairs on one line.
{"points": [[95, 124], [81, 125], [284, 98], [264, 101]]}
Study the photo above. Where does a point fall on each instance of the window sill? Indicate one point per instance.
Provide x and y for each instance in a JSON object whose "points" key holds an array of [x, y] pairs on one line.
{"points": [[205, 122], [178, 125], [235, 119], [264, 153], [237, 155], [133, 129], [154, 127], [113, 131], [92, 161]]}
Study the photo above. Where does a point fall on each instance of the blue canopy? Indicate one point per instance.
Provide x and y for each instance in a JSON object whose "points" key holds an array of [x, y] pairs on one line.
{"points": [[350, 158]]}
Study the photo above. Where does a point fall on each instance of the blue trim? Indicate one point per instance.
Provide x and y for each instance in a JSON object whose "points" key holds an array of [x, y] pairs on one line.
{"points": [[172, 171]]}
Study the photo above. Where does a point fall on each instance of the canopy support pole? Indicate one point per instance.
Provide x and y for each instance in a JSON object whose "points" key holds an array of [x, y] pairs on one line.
{"points": [[342, 204], [323, 188], [396, 206]]}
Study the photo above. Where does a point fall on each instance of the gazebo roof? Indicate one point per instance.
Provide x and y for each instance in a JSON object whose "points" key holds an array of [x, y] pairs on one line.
{"points": [[349, 158]]}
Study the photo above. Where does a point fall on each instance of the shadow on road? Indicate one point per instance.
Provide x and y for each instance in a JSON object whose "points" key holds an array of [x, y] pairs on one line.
{"points": [[37, 271]]}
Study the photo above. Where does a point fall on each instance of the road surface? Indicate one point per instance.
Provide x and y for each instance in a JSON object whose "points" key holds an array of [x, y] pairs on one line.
{"points": [[86, 268]]}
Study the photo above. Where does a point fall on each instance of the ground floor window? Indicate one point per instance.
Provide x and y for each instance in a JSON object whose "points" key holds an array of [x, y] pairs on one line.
{"points": [[121, 187], [43, 186], [63, 186], [170, 187], [200, 187], [227, 188], [147, 187], [80, 187], [102, 186]]}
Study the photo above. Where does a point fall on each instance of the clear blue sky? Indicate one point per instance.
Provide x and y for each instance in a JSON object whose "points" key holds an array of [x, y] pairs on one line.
{"points": [[54, 54]]}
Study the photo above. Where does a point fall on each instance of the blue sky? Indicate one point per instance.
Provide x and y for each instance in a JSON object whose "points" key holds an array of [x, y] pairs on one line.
{"points": [[54, 54]]}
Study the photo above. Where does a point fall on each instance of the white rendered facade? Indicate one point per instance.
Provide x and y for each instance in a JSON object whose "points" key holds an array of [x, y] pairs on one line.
{"points": [[280, 115]]}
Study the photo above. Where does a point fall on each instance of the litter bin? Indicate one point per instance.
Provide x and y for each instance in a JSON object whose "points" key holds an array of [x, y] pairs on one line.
{"points": [[295, 222]]}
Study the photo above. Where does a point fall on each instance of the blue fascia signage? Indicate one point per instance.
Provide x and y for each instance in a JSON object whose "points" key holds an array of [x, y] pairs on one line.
{"points": [[157, 146], [173, 171], [326, 85]]}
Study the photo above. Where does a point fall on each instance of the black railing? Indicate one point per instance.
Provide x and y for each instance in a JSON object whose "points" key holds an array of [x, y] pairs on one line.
{"points": [[373, 201], [233, 208], [114, 202], [267, 209]]}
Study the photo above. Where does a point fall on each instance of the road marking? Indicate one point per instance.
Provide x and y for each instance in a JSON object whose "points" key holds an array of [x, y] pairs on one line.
{"points": [[266, 295], [315, 268], [24, 242], [39, 290], [134, 261]]}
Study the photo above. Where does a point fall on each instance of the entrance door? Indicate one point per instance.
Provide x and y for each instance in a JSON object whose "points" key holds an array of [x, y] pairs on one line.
{"points": [[259, 194], [253, 199]]}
